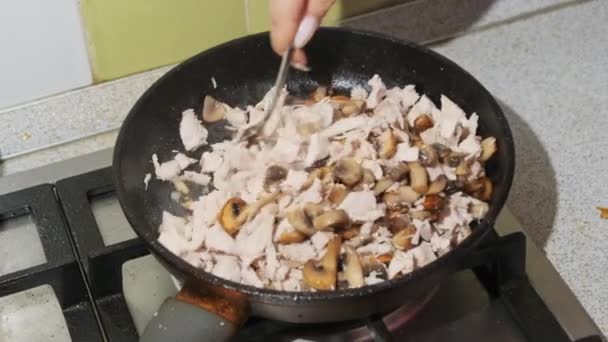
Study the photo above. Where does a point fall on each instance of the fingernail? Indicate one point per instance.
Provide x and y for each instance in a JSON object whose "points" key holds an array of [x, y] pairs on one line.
{"points": [[301, 67], [307, 28]]}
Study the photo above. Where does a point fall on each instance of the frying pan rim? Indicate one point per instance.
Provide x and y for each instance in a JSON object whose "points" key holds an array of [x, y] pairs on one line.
{"points": [[279, 296]]}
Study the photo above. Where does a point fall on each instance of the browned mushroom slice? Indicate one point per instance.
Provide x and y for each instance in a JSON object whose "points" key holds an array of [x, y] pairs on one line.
{"points": [[331, 219], [488, 148], [385, 258], [302, 218], [323, 274], [422, 123], [228, 216], [337, 194], [382, 185], [419, 179], [348, 171], [397, 172], [370, 264], [318, 94], [480, 188], [428, 156], [386, 144], [351, 232], [251, 210], [398, 220], [402, 196], [353, 271], [442, 151], [420, 215], [454, 159], [367, 181], [213, 110], [354, 107], [292, 236], [325, 174], [274, 173], [438, 185], [463, 169], [403, 239], [433, 202]]}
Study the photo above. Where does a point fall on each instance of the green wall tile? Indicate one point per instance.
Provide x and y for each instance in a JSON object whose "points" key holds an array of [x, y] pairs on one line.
{"points": [[259, 17], [128, 36]]}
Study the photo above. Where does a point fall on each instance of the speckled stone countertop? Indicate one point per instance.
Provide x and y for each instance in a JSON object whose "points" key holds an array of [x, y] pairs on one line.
{"points": [[546, 62]]}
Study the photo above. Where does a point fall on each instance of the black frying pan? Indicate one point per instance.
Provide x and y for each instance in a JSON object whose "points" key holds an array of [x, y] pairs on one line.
{"points": [[245, 69]]}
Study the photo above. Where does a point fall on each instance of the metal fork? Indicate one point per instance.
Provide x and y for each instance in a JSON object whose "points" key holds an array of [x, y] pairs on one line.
{"points": [[269, 110]]}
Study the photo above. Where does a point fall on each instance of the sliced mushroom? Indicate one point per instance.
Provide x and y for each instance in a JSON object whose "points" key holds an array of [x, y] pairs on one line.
{"points": [[463, 168], [422, 123], [382, 185], [337, 194], [213, 110], [367, 181], [385, 258], [397, 221], [229, 215], [300, 220], [336, 219], [319, 94], [442, 151], [371, 264], [428, 156], [354, 107], [438, 185], [353, 271], [454, 159], [403, 239], [479, 210], [251, 210], [350, 233], [488, 148], [420, 215], [397, 172], [325, 174], [348, 171], [274, 173], [323, 274], [386, 144], [419, 179], [402, 196], [453, 187], [433, 202], [481, 188], [292, 236]]}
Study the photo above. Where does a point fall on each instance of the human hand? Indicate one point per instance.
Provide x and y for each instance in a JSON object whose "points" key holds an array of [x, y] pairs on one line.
{"points": [[295, 21]]}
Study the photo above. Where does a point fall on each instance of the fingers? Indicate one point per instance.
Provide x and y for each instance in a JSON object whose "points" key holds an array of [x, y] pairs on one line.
{"points": [[315, 11], [285, 18]]}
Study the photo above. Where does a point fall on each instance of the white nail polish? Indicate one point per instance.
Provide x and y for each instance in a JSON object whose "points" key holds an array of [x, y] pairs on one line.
{"points": [[307, 28]]}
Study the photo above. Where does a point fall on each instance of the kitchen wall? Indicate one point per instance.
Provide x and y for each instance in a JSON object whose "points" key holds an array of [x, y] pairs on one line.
{"points": [[48, 47]]}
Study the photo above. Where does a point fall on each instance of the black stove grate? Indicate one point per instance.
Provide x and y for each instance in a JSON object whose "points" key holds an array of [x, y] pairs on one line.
{"points": [[498, 264]]}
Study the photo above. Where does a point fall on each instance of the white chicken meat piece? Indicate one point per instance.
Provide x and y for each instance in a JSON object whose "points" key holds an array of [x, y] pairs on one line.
{"points": [[377, 92], [192, 131], [345, 125], [425, 229], [406, 153], [227, 267], [294, 181], [318, 148], [285, 151], [299, 252], [172, 168], [254, 235], [423, 254], [312, 194], [440, 244], [423, 106], [236, 117], [362, 206], [434, 172], [470, 146], [374, 166], [250, 277], [195, 177], [218, 240], [401, 263], [358, 93], [316, 117], [390, 112], [204, 211], [211, 161], [320, 239], [471, 123]]}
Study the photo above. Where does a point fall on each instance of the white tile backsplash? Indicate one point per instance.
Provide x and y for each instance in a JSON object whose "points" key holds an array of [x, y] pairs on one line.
{"points": [[42, 49]]}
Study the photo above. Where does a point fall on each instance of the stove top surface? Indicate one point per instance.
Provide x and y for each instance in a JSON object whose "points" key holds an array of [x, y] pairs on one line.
{"points": [[71, 263]]}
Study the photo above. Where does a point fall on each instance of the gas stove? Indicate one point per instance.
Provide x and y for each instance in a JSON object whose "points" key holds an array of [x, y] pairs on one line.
{"points": [[71, 269]]}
